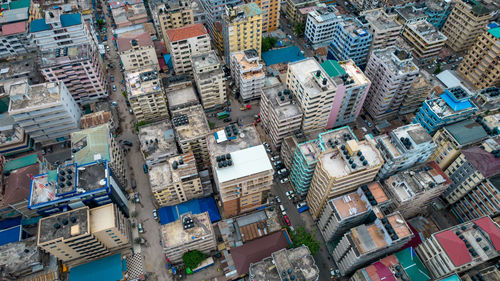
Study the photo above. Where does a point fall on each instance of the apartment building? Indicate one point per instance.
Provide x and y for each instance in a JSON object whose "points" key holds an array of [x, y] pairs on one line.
{"points": [[392, 73], [481, 200], [363, 5], [184, 42], [131, 14], [352, 40], [279, 113], [451, 139], [47, 111], [314, 91], [437, 12], [480, 66], [215, 10], [352, 87], [383, 27], [426, 41], [172, 15], [288, 146], [13, 138], [248, 74], [460, 248], [321, 23], [209, 79], [491, 124], [488, 99], [242, 171], [242, 29], [270, 14], [293, 9], [136, 50], [190, 232], [175, 181], [403, 148], [146, 95], [84, 234], [157, 142], [181, 95], [418, 92], [465, 23], [15, 39], [409, 14], [454, 105]]}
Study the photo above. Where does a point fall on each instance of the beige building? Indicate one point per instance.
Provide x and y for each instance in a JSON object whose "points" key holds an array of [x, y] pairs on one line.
{"points": [[84, 234], [384, 28], [157, 142], [465, 23], [480, 66], [190, 232], [209, 78], [136, 50], [424, 38], [270, 14], [184, 42], [418, 92], [181, 95], [175, 14], [248, 74], [293, 9], [146, 95]]}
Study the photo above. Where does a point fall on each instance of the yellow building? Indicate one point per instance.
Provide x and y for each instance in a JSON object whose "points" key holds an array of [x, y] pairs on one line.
{"points": [[175, 14], [242, 29], [271, 14]]}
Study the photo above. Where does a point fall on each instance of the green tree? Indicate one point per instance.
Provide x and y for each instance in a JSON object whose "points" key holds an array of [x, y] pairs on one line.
{"points": [[124, 93], [139, 124], [137, 240], [268, 43], [299, 29], [193, 258], [301, 237], [438, 69]]}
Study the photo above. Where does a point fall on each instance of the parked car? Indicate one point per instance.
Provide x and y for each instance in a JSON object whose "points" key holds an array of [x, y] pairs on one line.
{"points": [[301, 204], [369, 124], [133, 184], [140, 228], [228, 119], [145, 168], [275, 158], [285, 180], [265, 143], [287, 220], [277, 163], [136, 198], [278, 200], [284, 170], [112, 78], [114, 88], [289, 193], [127, 143], [155, 214]]}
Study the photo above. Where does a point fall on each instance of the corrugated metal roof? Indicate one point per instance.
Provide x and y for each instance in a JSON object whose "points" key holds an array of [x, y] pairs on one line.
{"points": [[495, 32], [105, 269], [333, 68], [487, 225], [71, 19], [21, 162], [467, 132], [39, 25], [97, 146], [13, 28], [19, 4], [454, 247], [412, 265]]}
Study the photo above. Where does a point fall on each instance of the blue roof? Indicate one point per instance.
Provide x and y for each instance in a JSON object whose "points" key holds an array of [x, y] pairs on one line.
{"points": [[105, 269], [8, 223], [71, 19], [10, 235], [455, 105], [283, 55], [196, 206], [168, 60], [38, 25], [451, 278]]}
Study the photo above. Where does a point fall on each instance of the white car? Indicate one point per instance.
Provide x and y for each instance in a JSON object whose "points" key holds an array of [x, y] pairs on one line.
{"points": [[276, 163], [275, 158], [282, 171], [285, 180], [278, 199], [289, 193], [155, 214], [140, 228], [301, 204]]}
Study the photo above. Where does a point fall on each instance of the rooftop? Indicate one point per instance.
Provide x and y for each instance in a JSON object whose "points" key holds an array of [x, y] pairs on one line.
{"points": [[160, 176], [19, 256], [14, 28], [196, 125], [157, 139], [66, 55], [64, 225], [203, 60], [357, 202], [410, 12], [185, 32], [173, 234], [466, 132], [24, 97], [66, 21], [311, 149], [95, 119], [14, 15], [355, 27], [248, 63], [91, 144], [129, 40], [17, 185], [404, 139], [495, 32], [173, 5], [324, 14], [355, 77], [143, 82], [447, 104], [129, 14], [306, 72], [398, 61], [181, 95], [282, 55], [427, 31], [283, 108], [110, 267], [483, 160], [242, 12], [380, 20], [22, 67]]}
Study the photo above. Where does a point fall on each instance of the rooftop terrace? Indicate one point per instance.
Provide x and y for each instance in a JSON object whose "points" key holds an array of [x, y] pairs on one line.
{"points": [[181, 95], [157, 139], [398, 61], [242, 12], [203, 60], [354, 27], [380, 19], [173, 234], [196, 125], [355, 203], [283, 107], [142, 82], [65, 55], [356, 76], [306, 72], [63, 226], [23, 97], [324, 14], [427, 31], [311, 149]]}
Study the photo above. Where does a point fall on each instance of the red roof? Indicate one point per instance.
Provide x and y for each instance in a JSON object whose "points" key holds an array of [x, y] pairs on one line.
{"points": [[487, 225], [125, 42], [13, 28], [17, 185], [483, 161], [454, 247], [185, 32]]}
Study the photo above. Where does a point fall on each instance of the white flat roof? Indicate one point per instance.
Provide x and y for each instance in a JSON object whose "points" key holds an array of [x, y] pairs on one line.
{"points": [[248, 161]]}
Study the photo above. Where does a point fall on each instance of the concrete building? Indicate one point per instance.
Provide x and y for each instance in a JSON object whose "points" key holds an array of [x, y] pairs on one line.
{"points": [[248, 74], [452, 106], [242, 29], [245, 177], [451, 139], [13, 138], [129, 15], [418, 92], [460, 248], [136, 50], [368, 242], [297, 262], [314, 91], [15, 39], [392, 73], [480, 66], [488, 99], [146, 95], [352, 40], [425, 39], [293, 9], [157, 142], [184, 42], [270, 14], [383, 27], [438, 12], [171, 14], [209, 78], [288, 146], [321, 24], [465, 23], [491, 124], [279, 113], [486, 272], [363, 5], [409, 14], [84, 234], [403, 148], [215, 10], [81, 70], [181, 95], [352, 87], [481, 200], [47, 112], [190, 232]]}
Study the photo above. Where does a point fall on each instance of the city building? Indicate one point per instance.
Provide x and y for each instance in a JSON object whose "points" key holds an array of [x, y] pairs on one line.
{"points": [[215, 10], [15, 39], [191, 40], [136, 50], [190, 232], [426, 41], [157, 142], [146, 95], [321, 23], [488, 99], [460, 248], [181, 95], [81, 70], [451, 139], [363, 5], [47, 111], [270, 14], [480, 66], [404, 147], [130, 14], [491, 124], [84, 234], [314, 91], [171, 14], [483, 272], [296, 263], [242, 29], [481, 200], [248, 74], [292, 9], [242, 170], [218, 37], [383, 27], [454, 105], [100, 117], [368, 242], [409, 14], [392, 73], [13, 138], [209, 78], [288, 146], [438, 12], [418, 92], [465, 23], [351, 40], [352, 87], [279, 113]]}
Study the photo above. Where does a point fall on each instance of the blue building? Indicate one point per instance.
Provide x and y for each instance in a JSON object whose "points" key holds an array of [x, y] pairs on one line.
{"points": [[450, 107], [437, 12], [351, 40]]}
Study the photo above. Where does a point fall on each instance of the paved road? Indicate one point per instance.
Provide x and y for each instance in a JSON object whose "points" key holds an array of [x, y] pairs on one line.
{"points": [[298, 41]]}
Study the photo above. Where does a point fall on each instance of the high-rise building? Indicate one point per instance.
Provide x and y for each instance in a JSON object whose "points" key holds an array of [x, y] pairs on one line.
{"points": [[288, 146], [129, 15], [242, 29], [392, 73], [215, 10], [488, 99], [480, 66], [465, 23], [181, 95], [293, 8], [460, 248], [363, 5], [15, 39], [270, 14], [481, 200], [321, 23], [403, 148], [314, 91], [14, 139], [352, 40], [437, 12], [171, 15], [426, 41], [136, 49], [242, 171], [418, 92], [47, 112], [184, 42], [209, 78], [248, 73], [409, 14], [157, 142], [383, 27]]}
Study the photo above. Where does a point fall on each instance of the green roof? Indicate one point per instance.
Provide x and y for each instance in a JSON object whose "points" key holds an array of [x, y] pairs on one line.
{"points": [[333, 68], [495, 31], [467, 132], [20, 162], [20, 4], [412, 265], [92, 144]]}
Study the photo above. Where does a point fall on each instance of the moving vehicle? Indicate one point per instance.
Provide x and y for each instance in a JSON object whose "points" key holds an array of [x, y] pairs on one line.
{"points": [[112, 78], [287, 220], [155, 214], [140, 228], [222, 114], [145, 168]]}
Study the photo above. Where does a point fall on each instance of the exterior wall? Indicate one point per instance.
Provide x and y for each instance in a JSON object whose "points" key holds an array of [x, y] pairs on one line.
{"points": [[447, 149], [384, 35], [293, 7], [271, 14], [417, 93], [422, 48], [15, 44], [464, 178], [174, 18], [301, 172], [248, 75], [59, 36], [346, 45], [149, 107], [182, 51], [347, 105], [211, 85], [138, 57], [288, 147], [321, 27], [482, 200]]}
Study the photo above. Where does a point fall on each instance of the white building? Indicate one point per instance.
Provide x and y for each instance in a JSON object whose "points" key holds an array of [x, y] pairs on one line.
{"points": [[384, 28], [248, 73], [185, 42], [320, 24], [209, 79], [15, 39]]}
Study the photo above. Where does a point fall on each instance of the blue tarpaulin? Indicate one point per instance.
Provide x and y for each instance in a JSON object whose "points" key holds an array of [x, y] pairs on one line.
{"points": [[10, 235], [283, 55], [196, 206], [8, 223], [105, 269]]}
